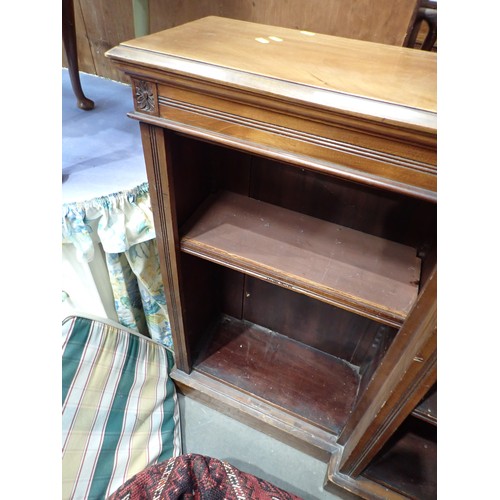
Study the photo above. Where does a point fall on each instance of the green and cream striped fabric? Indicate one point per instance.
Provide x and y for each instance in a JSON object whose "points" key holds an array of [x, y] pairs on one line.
{"points": [[120, 412]]}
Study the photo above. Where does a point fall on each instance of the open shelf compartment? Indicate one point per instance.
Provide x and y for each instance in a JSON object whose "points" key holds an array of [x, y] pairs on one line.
{"points": [[311, 385], [314, 270], [303, 359], [408, 462], [360, 272]]}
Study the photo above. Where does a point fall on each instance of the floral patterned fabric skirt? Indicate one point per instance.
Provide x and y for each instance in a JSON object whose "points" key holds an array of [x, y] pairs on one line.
{"points": [[126, 232], [138, 289]]}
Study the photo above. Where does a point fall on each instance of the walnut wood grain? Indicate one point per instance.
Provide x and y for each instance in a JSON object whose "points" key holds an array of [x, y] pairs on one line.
{"points": [[418, 185], [176, 103], [354, 270], [395, 95], [370, 122], [326, 62]]}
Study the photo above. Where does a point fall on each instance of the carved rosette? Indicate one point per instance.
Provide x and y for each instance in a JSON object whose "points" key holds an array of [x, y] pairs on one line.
{"points": [[145, 96]]}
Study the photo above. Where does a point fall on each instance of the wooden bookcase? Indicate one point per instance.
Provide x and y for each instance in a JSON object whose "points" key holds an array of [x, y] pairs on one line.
{"points": [[293, 183]]}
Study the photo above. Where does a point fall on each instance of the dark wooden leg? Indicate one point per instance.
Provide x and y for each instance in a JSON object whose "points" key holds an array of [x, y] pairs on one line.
{"points": [[430, 16], [69, 41]]}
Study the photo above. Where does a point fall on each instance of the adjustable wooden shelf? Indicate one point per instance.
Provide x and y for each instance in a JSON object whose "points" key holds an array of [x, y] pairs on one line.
{"points": [[293, 183]]}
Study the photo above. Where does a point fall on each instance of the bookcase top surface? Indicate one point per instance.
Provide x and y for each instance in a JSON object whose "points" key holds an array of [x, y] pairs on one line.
{"points": [[367, 70]]}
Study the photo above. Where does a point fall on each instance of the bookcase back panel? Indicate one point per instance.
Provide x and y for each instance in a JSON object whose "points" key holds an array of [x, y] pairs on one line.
{"points": [[324, 327], [381, 213]]}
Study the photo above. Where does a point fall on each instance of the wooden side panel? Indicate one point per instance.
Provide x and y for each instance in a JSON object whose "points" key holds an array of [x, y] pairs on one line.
{"points": [[203, 293], [370, 351], [405, 375], [191, 171], [155, 142]]}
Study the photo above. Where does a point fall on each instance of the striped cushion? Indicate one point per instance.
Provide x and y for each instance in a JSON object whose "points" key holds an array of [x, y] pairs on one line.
{"points": [[119, 407]]}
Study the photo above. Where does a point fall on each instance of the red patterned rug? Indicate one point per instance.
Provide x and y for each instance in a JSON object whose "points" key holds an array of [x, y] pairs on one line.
{"points": [[196, 477]]}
